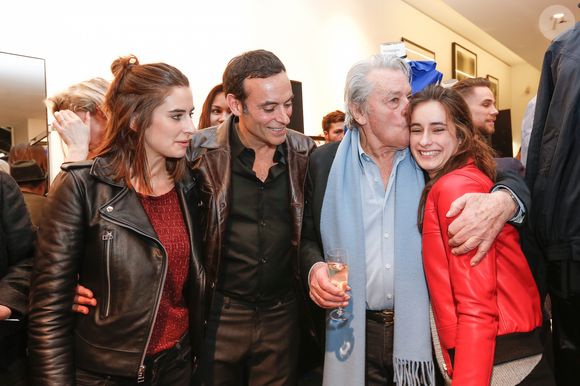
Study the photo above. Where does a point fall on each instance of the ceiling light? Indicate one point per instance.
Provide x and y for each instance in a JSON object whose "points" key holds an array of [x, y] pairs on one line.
{"points": [[554, 20]]}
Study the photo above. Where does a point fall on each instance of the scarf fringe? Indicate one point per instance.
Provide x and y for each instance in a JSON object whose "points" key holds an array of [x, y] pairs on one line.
{"points": [[414, 373]]}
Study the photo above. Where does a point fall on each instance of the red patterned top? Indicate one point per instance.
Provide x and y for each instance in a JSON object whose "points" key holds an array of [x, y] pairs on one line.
{"points": [[172, 321]]}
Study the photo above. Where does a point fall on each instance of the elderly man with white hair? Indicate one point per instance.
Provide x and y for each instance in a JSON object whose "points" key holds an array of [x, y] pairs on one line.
{"points": [[362, 196]]}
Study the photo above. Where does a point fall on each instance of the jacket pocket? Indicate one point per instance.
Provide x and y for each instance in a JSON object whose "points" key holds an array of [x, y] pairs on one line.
{"points": [[105, 303]]}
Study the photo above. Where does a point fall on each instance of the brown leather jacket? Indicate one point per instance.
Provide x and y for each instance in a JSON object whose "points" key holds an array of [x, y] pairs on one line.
{"points": [[211, 164], [96, 229]]}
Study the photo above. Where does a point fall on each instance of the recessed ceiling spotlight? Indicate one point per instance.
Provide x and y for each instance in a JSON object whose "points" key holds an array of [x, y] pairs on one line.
{"points": [[554, 20]]}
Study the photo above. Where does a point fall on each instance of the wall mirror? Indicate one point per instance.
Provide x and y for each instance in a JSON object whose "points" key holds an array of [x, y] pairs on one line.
{"points": [[22, 94]]}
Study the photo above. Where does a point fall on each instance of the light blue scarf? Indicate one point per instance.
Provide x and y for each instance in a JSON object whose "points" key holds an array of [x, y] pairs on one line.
{"points": [[341, 226]]}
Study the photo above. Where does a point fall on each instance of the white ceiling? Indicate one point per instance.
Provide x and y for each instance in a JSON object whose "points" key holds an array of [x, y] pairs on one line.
{"points": [[514, 24]]}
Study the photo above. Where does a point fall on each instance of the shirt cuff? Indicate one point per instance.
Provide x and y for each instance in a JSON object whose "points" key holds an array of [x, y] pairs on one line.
{"points": [[518, 218], [311, 268]]}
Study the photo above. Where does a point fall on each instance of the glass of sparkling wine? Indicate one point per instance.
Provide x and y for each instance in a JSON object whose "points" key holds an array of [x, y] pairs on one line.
{"points": [[337, 262]]}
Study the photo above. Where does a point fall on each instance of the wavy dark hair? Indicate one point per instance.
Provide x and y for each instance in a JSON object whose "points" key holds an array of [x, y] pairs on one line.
{"points": [[205, 117], [136, 91], [471, 146]]}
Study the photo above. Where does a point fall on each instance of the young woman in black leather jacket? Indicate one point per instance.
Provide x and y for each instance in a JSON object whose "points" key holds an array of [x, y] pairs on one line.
{"points": [[121, 225]]}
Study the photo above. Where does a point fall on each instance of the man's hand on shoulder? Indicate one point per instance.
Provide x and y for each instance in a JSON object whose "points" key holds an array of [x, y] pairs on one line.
{"points": [[481, 217]]}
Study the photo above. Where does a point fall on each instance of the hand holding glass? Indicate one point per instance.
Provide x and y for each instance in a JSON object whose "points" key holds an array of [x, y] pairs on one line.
{"points": [[337, 262]]}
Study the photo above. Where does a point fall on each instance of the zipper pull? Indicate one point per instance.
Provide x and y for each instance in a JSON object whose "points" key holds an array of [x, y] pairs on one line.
{"points": [[107, 235], [141, 374]]}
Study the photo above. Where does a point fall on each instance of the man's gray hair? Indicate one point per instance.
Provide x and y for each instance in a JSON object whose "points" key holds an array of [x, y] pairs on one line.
{"points": [[358, 87]]}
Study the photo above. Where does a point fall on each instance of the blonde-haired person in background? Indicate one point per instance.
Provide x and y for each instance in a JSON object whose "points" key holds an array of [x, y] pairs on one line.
{"points": [[79, 117]]}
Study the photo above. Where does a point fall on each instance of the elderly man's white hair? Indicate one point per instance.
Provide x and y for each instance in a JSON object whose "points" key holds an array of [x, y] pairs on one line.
{"points": [[358, 87]]}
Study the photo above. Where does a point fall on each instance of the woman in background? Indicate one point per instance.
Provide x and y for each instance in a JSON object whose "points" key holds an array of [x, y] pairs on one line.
{"points": [[79, 117], [487, 314], [215, 109], [121, 225]]}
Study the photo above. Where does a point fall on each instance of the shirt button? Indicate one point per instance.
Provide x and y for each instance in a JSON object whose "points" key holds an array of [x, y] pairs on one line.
{"points": [[388, 266], [386, 235], [109, 209], [263, 260], [263, 223], [389, 296]]}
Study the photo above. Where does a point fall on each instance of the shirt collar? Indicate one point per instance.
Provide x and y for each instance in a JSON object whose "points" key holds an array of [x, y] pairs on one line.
{"points": [[238, 148], [364, 158]]}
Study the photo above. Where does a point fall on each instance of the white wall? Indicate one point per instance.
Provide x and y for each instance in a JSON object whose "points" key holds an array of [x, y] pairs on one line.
{"points": [[317, 40], [525, 79]]}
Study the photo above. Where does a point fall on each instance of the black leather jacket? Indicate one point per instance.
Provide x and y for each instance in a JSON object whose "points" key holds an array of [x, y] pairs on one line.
{"points": [[96, 229], [553, 168], [16, 251], [210, 157]]}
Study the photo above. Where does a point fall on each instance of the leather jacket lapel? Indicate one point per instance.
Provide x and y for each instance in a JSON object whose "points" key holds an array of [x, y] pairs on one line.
{"points": [[125, 209]]}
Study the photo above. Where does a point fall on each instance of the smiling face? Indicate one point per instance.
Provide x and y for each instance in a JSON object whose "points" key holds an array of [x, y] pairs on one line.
{"points": [[171, 127], [219, 109], [265, 112], [482, 107], [433, 136]]}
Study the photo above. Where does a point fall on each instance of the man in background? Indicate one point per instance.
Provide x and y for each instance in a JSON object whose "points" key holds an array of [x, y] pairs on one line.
{"points": [[479, 98], [477, 93], [333, 126]]}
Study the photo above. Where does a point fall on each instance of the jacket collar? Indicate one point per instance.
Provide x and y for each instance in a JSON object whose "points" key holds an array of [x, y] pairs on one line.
{"points": [[218, 138], [103, 171]]}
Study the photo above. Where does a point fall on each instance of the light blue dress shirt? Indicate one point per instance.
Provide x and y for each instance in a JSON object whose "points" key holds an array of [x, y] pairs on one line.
{"points": [[379, 223]]}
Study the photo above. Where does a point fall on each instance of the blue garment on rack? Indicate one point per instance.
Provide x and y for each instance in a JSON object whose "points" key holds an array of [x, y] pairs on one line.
{"points": [[424, 74]]}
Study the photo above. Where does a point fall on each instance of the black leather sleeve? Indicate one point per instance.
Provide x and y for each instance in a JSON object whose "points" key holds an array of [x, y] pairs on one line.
{"points": [[17, 239], [51, 320]]}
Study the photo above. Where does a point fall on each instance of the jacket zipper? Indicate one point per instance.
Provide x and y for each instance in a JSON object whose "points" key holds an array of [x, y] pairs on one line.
{"points": [[142, 367], [108, 239], [141, 372]]}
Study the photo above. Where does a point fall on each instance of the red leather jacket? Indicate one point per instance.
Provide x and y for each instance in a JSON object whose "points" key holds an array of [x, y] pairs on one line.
{"points": [[473, 306]]}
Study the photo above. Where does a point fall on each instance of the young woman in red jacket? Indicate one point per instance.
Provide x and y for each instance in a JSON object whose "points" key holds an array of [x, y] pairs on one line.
{"points": [[487, 316]]}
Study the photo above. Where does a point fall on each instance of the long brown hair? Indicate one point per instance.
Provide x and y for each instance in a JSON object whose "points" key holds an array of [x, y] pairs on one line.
{"points": [[205, 117], [136, 91], [471, 146]]}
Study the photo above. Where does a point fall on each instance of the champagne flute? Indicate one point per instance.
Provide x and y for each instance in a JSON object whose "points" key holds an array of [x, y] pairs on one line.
{"points": [[337, 263]]}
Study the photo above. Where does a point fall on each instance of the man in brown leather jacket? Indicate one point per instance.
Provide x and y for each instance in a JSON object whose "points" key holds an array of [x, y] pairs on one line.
{"points": [[251, 171]]}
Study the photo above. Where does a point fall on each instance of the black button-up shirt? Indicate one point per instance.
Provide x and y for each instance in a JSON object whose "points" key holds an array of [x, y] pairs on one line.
{"points": [[257, 263]]}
